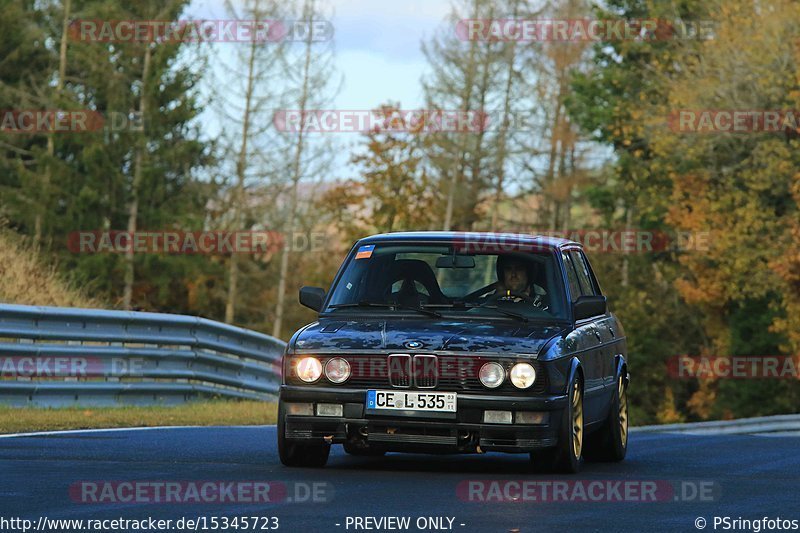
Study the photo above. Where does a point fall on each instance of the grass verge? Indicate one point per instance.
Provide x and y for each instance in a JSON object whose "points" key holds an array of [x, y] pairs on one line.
{"points": [[26, 278], [211, 413]]}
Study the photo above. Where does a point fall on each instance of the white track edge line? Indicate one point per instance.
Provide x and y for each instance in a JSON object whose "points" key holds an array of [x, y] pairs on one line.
{"points": [[110, 430]]}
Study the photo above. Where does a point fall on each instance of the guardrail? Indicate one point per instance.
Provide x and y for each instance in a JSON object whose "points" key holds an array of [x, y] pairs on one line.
{"points": [[762, 425], [55, 356]]}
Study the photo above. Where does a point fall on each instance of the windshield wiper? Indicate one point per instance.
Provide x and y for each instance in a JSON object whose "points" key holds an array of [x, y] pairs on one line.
{"points": [[486, 305], [512, 314], [362, 303], [465, 305]]}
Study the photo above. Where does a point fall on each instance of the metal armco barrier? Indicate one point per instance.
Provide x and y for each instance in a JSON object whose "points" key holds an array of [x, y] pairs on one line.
{"points": [[56, 356]]}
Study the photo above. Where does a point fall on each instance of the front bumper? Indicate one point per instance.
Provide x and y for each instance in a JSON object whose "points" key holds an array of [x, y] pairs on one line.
{"points": [[464, 432]]}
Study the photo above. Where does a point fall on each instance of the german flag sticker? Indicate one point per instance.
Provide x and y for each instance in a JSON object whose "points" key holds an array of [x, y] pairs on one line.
{"points": [[365, 252]]}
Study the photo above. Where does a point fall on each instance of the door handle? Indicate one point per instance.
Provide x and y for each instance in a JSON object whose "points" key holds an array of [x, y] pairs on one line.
{"points": [[597, 334], [611, 330]]}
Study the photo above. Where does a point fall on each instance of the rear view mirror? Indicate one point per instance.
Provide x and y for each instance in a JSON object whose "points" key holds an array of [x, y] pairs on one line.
{"points": [[589, 306], [455, 261], [312, 297]]}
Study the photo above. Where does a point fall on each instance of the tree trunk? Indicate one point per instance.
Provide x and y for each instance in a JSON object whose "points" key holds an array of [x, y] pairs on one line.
{"points": [[503, 134], [466, 100], [239, 196], [296, 175], [566, 219], [549, 201], [51, 148], [133, 207], [624, 274]]}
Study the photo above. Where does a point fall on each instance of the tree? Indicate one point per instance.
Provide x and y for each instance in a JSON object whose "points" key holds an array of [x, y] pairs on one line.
{"points": [[737, 187], [28, 67], [394, 193], [740, 188], [463, 74], [144, 172], [258, 64], [628, 82], [310, 76]]}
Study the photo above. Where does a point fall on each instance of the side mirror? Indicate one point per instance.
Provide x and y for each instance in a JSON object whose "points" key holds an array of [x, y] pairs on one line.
{"points": [[312, 297], [589, 306]]}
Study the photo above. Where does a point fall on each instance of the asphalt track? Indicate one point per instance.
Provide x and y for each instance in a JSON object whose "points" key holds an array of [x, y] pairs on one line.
{"points": [[743, 476]]}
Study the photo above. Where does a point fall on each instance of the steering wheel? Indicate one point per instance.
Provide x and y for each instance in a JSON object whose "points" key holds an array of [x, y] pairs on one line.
{"points": [[473, 296]]}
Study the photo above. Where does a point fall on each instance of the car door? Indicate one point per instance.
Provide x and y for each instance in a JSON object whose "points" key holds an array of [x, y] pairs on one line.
{"points": [[611, 331], [598, 359]]}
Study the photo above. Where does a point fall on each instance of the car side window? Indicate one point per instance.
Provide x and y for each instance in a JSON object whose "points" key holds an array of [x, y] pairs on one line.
{"points": [[574, 286], [585, 278], [590, 272]]}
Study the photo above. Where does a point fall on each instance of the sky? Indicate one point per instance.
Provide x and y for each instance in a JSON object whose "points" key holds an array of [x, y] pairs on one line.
{"points": [[377, 52]]}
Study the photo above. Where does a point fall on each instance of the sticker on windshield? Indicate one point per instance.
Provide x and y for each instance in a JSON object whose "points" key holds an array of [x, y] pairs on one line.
{"points": [[365, 252]]}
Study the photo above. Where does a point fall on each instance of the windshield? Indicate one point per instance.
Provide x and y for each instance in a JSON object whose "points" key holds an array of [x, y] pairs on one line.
{"points": [[399, 277]]}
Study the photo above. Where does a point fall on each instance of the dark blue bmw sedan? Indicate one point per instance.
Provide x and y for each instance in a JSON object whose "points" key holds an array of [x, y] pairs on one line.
{"points": [[445, 342]]}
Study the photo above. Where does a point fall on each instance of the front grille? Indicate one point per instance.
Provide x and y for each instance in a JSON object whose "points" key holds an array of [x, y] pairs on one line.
{"points": [[426, 371], [399, 370], [455, 373]]}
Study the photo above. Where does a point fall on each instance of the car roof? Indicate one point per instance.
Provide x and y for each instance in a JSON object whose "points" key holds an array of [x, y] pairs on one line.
{"points": [[469, 237]]}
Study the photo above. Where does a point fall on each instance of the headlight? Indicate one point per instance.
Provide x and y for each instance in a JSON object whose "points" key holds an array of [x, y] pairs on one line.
{"points": [[492, 375], [309, 369], [337, 370], [522, 375]]}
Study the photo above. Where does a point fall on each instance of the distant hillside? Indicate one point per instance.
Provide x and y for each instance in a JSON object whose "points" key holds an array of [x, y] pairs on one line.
{"points": [[26, 279]]}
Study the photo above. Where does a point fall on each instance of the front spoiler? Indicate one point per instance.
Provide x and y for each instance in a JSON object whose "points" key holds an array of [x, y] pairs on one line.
{"points": [[464, 432]]}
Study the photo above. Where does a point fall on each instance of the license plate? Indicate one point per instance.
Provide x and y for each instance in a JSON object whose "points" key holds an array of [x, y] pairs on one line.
{"points": [[392, 400]]}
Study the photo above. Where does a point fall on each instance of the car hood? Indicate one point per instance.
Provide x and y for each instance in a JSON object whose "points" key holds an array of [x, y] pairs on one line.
{"points": [[435, 335]]}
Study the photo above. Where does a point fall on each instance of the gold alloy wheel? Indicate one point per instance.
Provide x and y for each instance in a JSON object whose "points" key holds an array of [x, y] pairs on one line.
{"points": [[622, 391], [577, 420]]}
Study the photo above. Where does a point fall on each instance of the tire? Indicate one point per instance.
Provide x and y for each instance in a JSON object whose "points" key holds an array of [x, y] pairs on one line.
{"points": [[610, 442], [362, 452], [301, 455], [567, 456]]}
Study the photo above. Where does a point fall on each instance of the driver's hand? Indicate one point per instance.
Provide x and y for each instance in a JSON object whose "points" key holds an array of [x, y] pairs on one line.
{"points": [[538, 302]]}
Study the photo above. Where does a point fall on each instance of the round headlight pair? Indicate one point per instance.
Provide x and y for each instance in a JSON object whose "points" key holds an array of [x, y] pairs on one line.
{"points": [[309, 369], [492, 375]]}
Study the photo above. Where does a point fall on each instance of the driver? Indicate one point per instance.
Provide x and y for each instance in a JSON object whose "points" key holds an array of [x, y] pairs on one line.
{"points": [[515, 282]]}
